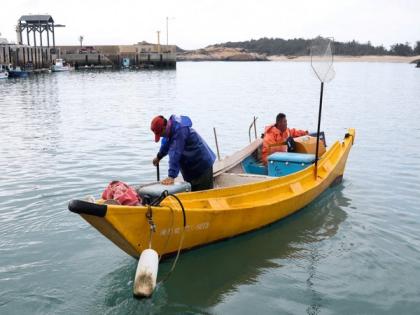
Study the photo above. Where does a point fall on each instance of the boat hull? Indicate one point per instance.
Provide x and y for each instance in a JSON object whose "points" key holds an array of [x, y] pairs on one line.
{"points": [[220, 213], [57, 69], [18, 74]]}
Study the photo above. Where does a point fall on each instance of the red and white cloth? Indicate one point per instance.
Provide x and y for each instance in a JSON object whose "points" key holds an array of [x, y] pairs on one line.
{"points": [[121, 192]]}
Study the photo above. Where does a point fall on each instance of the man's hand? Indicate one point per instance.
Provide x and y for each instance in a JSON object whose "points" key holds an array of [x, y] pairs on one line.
{"points": [[156, 161], [167, 181]]}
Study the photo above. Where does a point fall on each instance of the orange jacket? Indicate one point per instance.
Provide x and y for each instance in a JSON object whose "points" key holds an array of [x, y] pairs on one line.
{"points": [[274, 140]]}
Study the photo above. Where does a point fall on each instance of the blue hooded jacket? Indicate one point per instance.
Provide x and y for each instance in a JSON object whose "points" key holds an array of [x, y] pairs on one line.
{"points": [[187, 151]]}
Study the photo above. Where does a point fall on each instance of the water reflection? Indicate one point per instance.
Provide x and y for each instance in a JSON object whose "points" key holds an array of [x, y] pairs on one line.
{"points": [[204, 277], [67, 135]]}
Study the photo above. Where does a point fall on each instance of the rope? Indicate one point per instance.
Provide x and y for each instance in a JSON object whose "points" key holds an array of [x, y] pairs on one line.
{"points": [[169, 234], [166, 277], [149, 216]]}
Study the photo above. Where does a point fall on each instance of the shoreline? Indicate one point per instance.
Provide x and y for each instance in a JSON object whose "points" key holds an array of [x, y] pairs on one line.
{"points": [[339, 58], [213, 53]]}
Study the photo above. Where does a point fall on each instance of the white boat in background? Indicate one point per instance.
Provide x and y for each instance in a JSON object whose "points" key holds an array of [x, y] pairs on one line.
{"points": [[59, 66], [3, 72]]}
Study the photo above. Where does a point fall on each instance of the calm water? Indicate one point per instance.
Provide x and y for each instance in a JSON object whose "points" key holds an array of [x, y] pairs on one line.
{"points": [[355, 250]]}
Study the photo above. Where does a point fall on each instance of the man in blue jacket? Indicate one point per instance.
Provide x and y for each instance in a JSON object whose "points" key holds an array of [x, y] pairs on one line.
{"points": [[187, 151]]}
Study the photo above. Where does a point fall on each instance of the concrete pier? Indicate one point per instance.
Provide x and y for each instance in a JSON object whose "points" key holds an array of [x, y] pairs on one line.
{"points": [[31, 58], [141, 55]]}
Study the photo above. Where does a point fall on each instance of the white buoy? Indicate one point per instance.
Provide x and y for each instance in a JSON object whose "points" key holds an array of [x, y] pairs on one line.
{"points": [[146, 273]]}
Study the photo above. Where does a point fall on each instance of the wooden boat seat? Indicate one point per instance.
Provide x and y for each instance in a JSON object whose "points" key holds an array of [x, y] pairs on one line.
{"points": [[232, 179]]}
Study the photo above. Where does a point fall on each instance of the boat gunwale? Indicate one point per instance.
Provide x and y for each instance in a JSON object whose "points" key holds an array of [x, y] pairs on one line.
{"points": [[272, 184]]}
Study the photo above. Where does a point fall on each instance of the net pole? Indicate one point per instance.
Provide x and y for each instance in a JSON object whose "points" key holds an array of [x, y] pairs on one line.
{"points": [[318, 130]]}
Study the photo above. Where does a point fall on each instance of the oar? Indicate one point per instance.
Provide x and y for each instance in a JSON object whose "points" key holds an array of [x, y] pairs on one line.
{"points": [[157, 172]]}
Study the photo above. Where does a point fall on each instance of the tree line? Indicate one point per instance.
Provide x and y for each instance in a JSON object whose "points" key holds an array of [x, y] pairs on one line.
{"points": [[300, 47]]}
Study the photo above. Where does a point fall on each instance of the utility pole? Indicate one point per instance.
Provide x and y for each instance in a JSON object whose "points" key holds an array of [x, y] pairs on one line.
{"points": [[167, 32], [158, 35]]}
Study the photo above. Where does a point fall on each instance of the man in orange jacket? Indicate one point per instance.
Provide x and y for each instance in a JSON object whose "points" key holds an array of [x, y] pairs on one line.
{"points": [[275, 137]]}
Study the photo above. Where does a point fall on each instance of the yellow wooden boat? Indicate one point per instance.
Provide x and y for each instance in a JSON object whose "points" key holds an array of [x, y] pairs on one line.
{"points": [[240, 203]]}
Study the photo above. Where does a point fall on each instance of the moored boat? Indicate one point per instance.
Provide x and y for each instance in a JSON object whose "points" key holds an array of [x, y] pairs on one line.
{"points": [[60, 66], [242, 200], [3, 72], [17, 72]]}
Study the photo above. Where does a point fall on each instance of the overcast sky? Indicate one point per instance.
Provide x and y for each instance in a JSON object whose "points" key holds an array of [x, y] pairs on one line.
{"points": [[198, 23]]}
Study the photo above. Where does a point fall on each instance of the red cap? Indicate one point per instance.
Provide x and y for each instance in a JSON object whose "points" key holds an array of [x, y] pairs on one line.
{"points": [[157, 126]]}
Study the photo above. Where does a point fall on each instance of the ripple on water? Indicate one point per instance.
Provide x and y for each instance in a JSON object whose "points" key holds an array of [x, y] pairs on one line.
{"points": [[355, 250]]}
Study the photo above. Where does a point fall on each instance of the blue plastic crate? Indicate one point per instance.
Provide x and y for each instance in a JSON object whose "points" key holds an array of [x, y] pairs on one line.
{"points": [[285, 163], [252, 166]]}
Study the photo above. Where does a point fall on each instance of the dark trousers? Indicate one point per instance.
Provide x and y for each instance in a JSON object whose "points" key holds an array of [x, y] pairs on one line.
{"points": [[204, 181]]}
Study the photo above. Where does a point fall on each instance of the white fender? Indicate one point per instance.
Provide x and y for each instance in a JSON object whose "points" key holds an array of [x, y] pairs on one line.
{"points": [[146, 273]]}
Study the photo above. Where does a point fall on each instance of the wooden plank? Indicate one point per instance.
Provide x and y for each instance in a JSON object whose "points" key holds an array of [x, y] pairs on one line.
{"points": [[229, 162]]}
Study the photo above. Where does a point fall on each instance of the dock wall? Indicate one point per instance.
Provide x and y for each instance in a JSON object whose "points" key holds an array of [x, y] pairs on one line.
{"points": [[106, 55], [138, 55], [27, 56]]}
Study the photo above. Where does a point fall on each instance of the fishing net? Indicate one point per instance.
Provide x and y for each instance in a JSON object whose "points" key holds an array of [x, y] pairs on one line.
{"points": [[322, 58]]}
